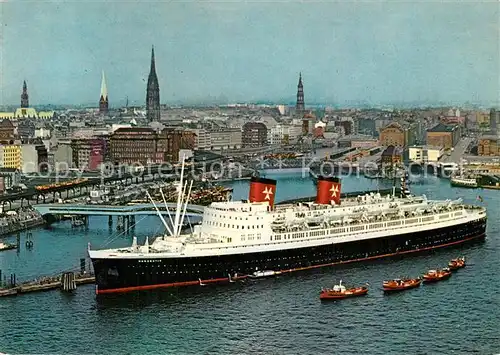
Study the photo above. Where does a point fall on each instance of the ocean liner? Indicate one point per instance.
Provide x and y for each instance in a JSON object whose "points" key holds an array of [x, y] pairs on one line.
{"points": [[239, 239]]}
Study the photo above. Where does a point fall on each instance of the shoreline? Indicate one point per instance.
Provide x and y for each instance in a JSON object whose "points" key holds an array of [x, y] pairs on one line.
{"points": [[16, 227]]}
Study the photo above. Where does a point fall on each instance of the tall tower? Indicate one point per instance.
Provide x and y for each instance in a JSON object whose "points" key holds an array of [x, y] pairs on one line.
{"points": [[300, 107], [103, 100], [153, 93], [24, 96]]}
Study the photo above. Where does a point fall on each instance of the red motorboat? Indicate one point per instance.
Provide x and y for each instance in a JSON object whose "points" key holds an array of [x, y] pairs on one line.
{"points": [[457, 263], [400, 284], [339, 292], [437, 275]]}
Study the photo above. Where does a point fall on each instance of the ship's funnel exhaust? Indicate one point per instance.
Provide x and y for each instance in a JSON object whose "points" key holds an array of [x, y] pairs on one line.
{"points": [[262, 190], [329, 189]]}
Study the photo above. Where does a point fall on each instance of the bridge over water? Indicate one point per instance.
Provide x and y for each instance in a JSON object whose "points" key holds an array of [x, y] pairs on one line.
{"points": [[108, 210]]}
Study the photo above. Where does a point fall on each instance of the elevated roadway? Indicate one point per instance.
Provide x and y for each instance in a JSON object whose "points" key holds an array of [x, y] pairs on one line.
{"points": [[107, 210]]}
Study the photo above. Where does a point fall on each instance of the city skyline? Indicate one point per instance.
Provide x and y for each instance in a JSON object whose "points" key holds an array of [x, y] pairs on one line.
{"points": [[372, 53]]}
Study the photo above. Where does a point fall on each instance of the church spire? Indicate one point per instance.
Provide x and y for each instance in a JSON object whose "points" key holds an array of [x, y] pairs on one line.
{"points": [[104, 89], [103, 99], [153, 92], [153, 67], [24, 96], [300, 107]]}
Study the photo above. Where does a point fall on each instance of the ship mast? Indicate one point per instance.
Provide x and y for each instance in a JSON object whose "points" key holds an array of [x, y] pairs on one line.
{"points": [[160, 215], [185, 207], [166, 206], [179, 198]]}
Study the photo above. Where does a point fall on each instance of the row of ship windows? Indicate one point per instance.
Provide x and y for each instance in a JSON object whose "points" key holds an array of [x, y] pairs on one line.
{"points": [[250, 237], [302, 235], [423, 243], [300, 257], [428, 240], [227, 225], [230, 217]]}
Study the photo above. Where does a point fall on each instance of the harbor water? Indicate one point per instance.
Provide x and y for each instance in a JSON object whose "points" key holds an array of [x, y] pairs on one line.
{"points": [[273, 316]]}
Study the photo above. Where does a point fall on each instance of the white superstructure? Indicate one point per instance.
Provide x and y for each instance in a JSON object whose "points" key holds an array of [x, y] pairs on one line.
{"points": [[245, 227]]}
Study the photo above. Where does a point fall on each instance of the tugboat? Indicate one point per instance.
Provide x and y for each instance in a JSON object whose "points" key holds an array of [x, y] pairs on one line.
{"points": [[457, 263], [339, 292], [437, 275], [401, 284], [5, 246]]}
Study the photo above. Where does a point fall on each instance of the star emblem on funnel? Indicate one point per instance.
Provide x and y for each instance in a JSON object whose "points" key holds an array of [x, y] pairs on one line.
{"points": [[334, 190], [268, 192]]}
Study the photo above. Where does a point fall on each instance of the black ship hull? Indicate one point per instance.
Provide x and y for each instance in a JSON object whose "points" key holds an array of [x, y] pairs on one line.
{"points": [[123, 275]]}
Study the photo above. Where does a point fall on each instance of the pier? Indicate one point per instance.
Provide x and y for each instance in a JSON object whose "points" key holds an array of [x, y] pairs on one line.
{"points": [[66, 282], [49, 284]]}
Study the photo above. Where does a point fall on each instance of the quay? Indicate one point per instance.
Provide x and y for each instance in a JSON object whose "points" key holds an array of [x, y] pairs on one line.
{"points": [[66, 282], [46, 285], [17, 221]]}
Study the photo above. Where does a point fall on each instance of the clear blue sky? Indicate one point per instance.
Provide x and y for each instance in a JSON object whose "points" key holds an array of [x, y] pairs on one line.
{"points": [[374, 52]]}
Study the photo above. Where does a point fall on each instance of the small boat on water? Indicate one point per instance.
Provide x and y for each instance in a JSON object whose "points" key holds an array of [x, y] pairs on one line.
{"points": [[400, 284], [461, 181], [339, 292], [437, 275], [263, 274], [457, 263], [6, 246]]}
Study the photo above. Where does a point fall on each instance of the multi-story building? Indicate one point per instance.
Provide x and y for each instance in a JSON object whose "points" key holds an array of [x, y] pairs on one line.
{"points": [[358, 141], [254, 134], [170, 141], [10, 156], [367, 126], [425, 154], [283, 134], [34, 158], [308, 122], [275, 135], [202, 139], [483, 119], [61, 156], [441, 135], [488, 145], [7, 132], [494, 120], [145, 146], [391, 155], [9, 177], [88, 153], [346, 124], [398, 134], [42, 133], [224, 138], [291, 133], [134, 146], [26, 129]]}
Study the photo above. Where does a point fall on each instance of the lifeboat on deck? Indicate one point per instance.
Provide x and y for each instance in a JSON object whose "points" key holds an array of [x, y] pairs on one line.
{"points": [[339, 292], [437, 275], [457, 263], [400, 284]]}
